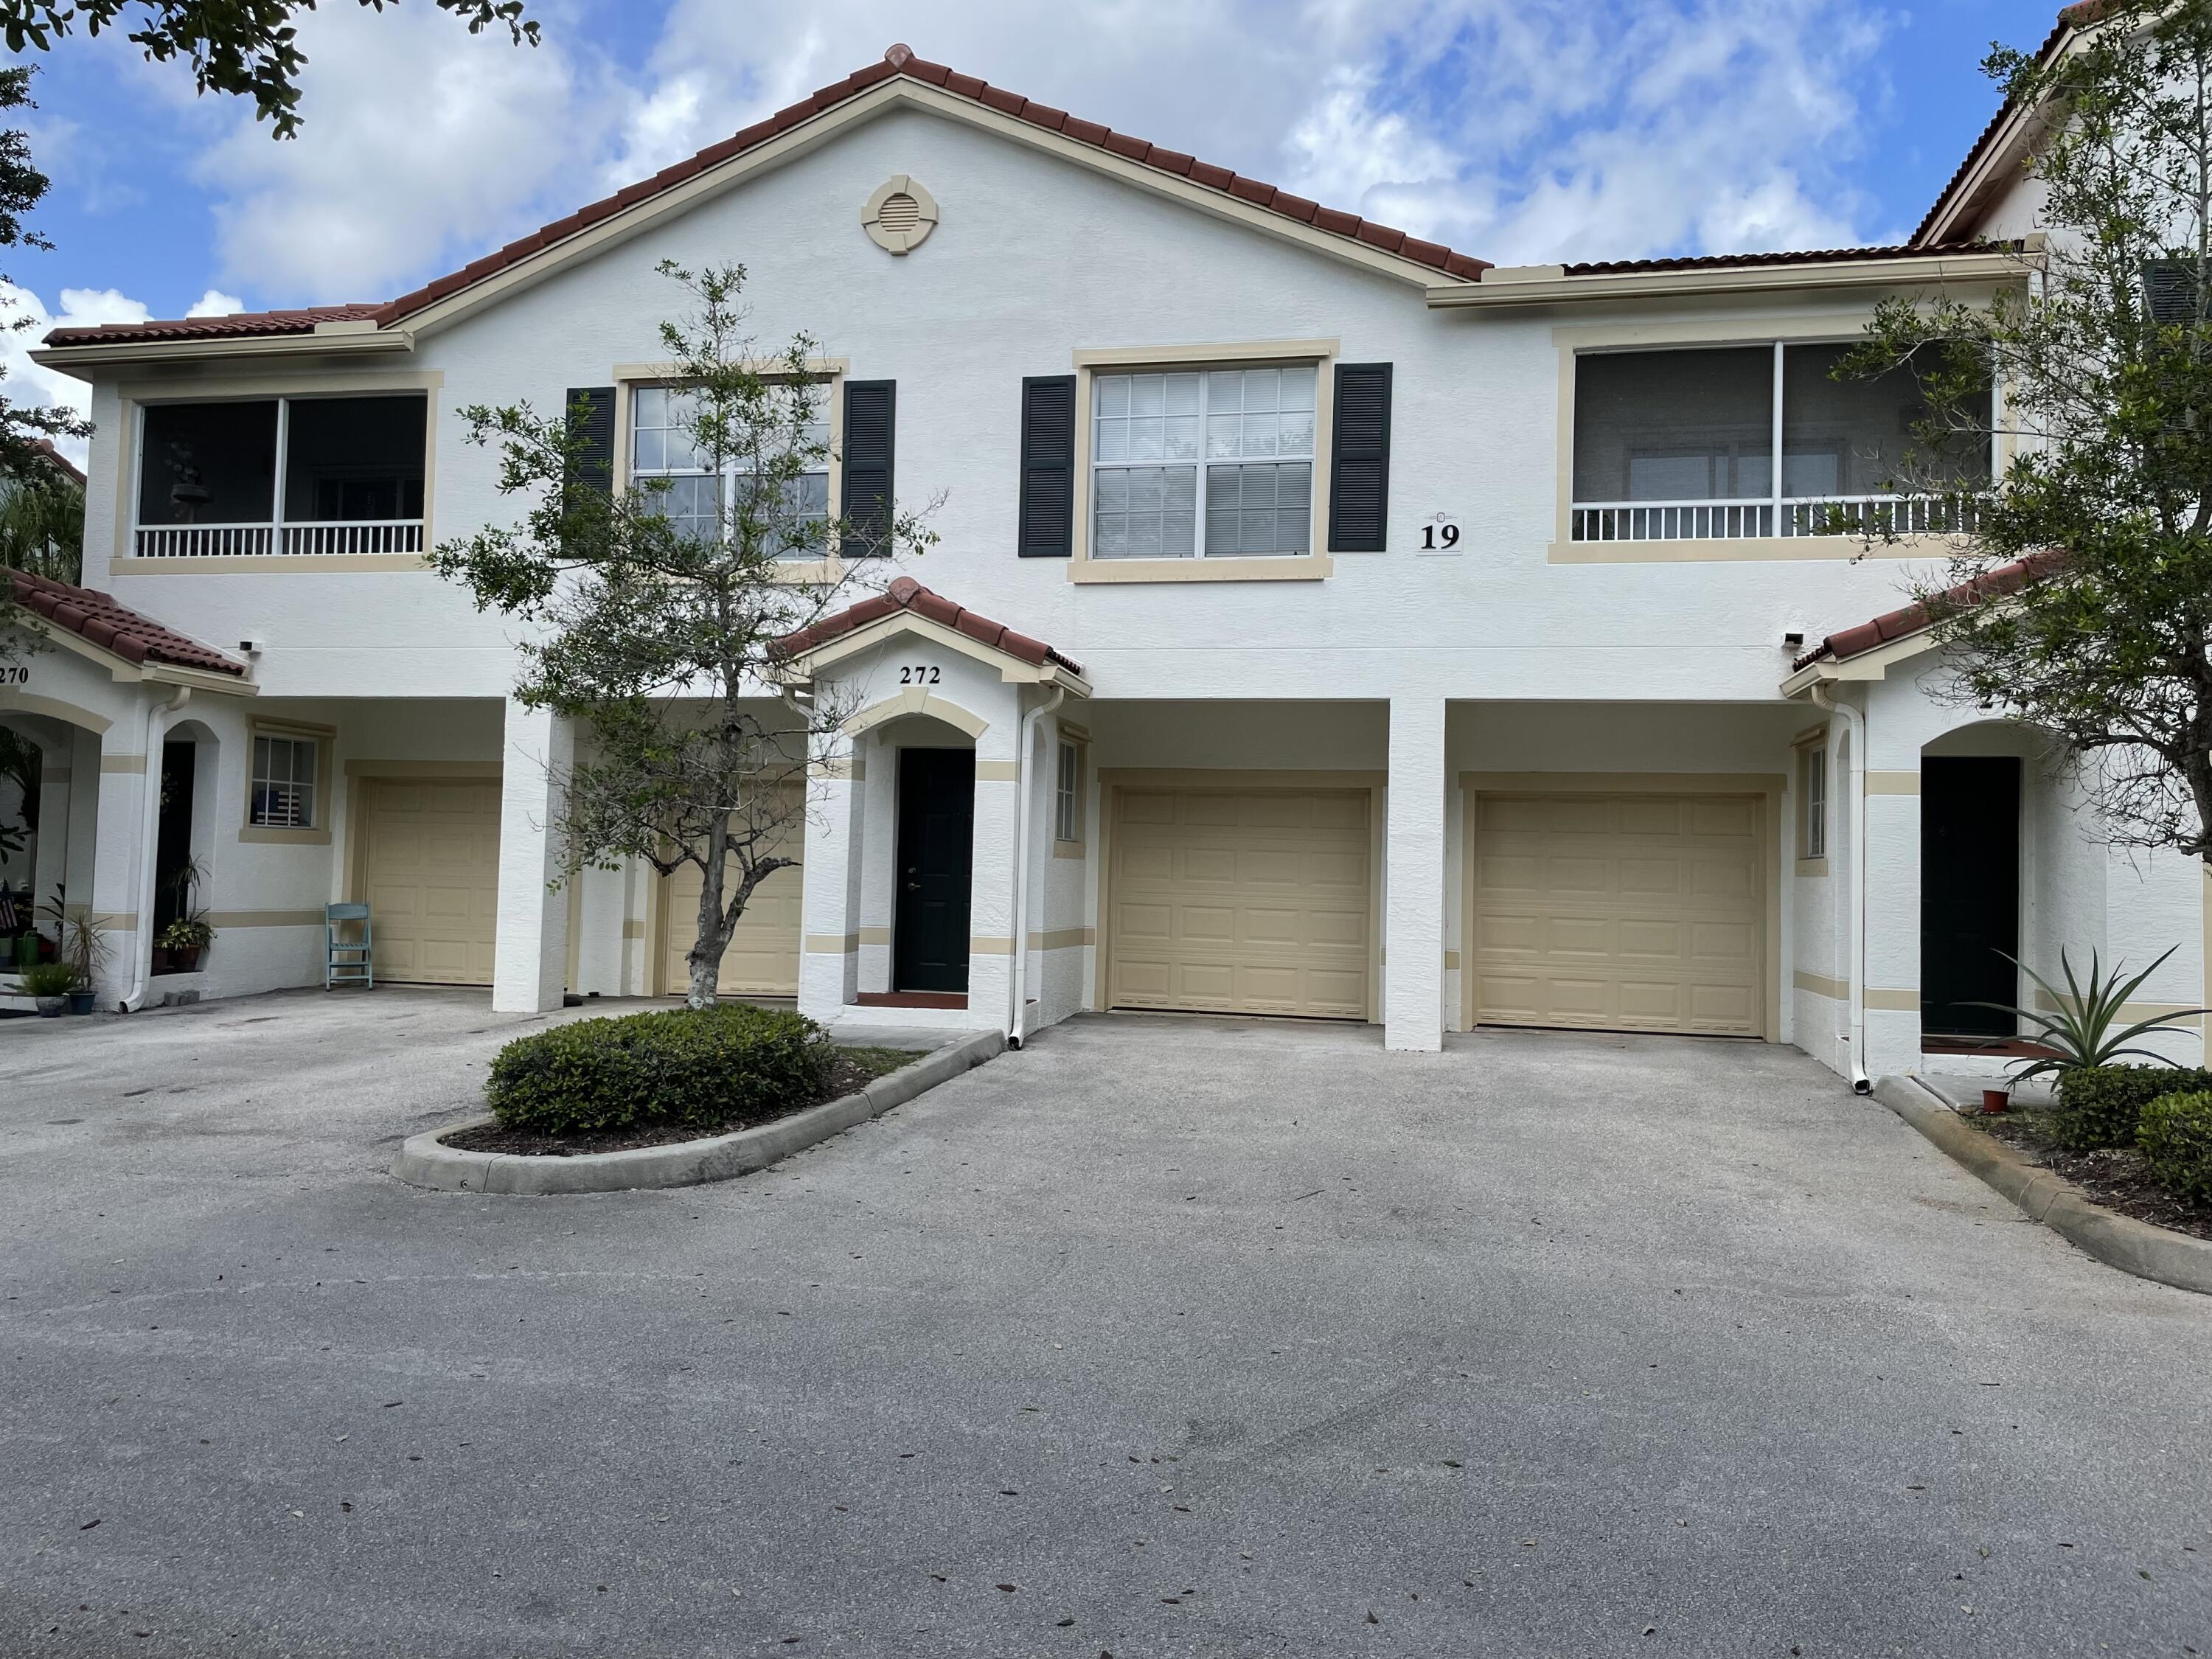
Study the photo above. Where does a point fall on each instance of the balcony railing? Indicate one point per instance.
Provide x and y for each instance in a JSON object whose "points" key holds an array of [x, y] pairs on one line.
{"points": [[1806, 515], [324, 540]]}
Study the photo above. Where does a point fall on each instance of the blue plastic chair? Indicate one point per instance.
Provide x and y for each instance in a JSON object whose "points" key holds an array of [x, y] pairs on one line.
{"points": [[348, 961]]}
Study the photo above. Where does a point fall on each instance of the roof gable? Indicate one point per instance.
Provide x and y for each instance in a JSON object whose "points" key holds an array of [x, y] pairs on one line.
{"points": [[906, 606], [899, 76]]}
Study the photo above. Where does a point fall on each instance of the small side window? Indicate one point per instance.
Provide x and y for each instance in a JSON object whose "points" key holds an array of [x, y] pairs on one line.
{"points": [[283, 795], [1067, 795], [1815, 794]]}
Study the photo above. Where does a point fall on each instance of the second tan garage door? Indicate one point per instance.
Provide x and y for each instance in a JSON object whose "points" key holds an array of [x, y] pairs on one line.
{"points": [[1226, 902], [763, 958], [1630, 912], [430, 864]]}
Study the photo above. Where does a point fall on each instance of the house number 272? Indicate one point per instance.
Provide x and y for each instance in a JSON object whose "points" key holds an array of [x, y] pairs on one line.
{"points": [[921, 674]]}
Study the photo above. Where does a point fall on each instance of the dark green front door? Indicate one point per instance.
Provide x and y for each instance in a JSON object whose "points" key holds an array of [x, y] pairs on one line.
{"points": [[936, 843], [1969, 894]]}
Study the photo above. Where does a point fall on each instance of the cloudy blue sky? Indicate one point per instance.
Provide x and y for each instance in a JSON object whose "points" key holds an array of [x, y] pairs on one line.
{"points": [[1522, 130]]}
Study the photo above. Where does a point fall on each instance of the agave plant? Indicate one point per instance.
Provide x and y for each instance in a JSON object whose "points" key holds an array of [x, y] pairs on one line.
{"points": [[2081, 1032]]}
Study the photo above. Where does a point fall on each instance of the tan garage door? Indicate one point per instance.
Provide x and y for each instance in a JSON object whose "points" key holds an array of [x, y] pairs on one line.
{"points": [[763, 959], [430, 861], [1640, 913], [1253, 902]]}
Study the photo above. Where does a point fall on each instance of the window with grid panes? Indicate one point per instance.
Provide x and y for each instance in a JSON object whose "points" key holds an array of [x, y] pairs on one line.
{"points": [[1217, 463], [283, 795], [661, 447], [1067, 795]]}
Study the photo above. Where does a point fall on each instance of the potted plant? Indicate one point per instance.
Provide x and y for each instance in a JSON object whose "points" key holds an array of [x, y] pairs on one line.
{"points": [[81, 943], [48, 983], [183, 940]]}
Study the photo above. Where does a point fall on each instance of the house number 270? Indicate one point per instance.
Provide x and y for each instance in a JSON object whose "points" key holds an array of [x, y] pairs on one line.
{"points": [[921, 674]]}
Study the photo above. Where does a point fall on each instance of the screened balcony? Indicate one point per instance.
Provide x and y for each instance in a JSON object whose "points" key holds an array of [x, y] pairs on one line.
{"points": [[309, 478], [1752, 441]]}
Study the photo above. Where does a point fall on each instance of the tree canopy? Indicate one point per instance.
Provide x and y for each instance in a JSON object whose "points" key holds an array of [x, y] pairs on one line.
{"points": [[2101, 357]]}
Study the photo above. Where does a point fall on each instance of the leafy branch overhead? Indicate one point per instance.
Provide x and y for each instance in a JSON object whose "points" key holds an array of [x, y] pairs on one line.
{"points": [[2101, 357], [650, 613], [245, 48]]}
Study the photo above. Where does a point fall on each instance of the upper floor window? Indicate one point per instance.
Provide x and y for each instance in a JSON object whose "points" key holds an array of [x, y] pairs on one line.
{"points": [[284, 794], [1229, 449], [1748, 441], [281, 475], [661, 446]]}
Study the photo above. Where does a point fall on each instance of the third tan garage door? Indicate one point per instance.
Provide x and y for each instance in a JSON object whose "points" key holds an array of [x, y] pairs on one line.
{"points": [[1248, 903], [431, 860], [1630, 912]]}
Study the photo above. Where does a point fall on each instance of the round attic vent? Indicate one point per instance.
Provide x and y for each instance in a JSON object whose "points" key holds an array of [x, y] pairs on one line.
{"points": [[900, 216]]}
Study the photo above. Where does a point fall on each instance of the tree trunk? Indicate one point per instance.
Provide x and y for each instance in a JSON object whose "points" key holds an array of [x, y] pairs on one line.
{"points": [[704, 958]]}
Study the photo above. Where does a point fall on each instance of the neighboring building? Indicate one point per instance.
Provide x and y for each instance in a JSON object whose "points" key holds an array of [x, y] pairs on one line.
{"points": [[1376, 634]]}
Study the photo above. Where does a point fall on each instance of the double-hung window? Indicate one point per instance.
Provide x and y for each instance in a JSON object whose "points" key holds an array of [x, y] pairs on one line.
{"points": [[790, 515], [1205, 463], [1741, 441], [283, 786]]}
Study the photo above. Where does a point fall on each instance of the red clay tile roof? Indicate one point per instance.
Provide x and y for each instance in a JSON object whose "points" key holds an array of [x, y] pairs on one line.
{"points": [[898, 61], [2069, 19], [1809, 257], [131, 635], [908, 594], [61, 463], [301, 321], [1912, 618]]}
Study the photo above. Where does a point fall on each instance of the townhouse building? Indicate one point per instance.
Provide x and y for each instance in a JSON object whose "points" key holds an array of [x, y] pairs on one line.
{"points": [[1323, 623]]}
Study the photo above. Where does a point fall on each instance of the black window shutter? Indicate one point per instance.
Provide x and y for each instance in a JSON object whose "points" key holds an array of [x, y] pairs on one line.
{"points": [[1359, 460], [871, 427], [1048, 524], [593, 467], [2170, 292]]}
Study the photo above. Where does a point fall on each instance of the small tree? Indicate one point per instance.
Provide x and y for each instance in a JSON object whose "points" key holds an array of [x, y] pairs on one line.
{"points": [[656, 608], [2104, 366]]}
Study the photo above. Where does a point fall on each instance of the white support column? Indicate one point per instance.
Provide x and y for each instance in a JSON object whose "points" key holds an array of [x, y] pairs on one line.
{"points": [[1413, 878], [829, 908], [117, 895], [529, 956]]}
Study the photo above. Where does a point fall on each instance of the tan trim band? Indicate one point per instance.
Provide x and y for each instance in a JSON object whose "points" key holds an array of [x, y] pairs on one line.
{"points": [[123, 763], [1893, 783], [1893, 998], [220, 920], [830, 944], [1821, 985]]}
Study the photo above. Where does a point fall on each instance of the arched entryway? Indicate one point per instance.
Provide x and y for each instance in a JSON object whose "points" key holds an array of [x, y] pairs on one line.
{"points": [[1975, 783], [918, 775]]}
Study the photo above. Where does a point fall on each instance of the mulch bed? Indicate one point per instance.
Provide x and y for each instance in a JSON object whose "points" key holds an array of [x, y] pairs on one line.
{"points": [[853, 1070], [2118, 1177]]}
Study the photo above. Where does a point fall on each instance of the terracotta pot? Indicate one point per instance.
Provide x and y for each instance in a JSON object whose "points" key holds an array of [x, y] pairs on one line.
{"points": [[1995, 1100], [183, 961]]}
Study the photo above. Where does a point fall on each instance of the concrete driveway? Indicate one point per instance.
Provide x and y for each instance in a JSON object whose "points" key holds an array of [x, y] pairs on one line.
{"points": [[1158, 1337]]}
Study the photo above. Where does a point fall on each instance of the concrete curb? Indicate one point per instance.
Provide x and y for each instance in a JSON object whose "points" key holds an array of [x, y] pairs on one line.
{"points": [[2119, 1241], [425, 1160]]}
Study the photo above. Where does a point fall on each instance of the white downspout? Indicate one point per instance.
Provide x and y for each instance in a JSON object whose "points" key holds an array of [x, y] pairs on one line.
{"points": [[1018, 1017], [149, 826], [1855, 726]]}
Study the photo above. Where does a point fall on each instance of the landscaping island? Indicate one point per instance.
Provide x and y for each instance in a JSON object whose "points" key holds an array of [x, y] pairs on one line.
{"points": [[671, 1098]]}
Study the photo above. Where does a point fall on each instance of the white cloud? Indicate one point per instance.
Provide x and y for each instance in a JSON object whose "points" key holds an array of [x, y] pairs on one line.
{"points": [[24, 321], [216, 303], [421, 147], [1522, 131]]}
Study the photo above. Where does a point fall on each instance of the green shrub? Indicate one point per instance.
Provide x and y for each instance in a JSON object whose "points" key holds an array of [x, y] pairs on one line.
{"points": [[710, 1068], [2176, 1136], [49, 978], [2102, 1105]]}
